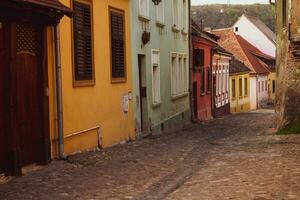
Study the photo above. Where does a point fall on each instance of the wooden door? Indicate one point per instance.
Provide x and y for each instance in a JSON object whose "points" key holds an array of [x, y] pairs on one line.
{"points": [[2, 99], [28, 94]]}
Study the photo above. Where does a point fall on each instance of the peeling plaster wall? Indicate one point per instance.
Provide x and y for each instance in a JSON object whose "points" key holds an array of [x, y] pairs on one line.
{"points": [[288, 65]]}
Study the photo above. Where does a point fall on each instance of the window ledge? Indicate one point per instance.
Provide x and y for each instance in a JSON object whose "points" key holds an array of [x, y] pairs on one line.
{"points": [[83, 83], [118, 80], [156, 104], [144, 18], [184, 32], [160, 24], [175, 29], [175, 97]]}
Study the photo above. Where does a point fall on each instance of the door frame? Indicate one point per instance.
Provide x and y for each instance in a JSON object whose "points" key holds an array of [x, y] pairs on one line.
{"points": [[14, 165]]}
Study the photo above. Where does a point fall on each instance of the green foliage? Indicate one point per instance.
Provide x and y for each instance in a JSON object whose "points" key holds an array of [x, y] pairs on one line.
{"points": [[224, 16], [290, 129]]}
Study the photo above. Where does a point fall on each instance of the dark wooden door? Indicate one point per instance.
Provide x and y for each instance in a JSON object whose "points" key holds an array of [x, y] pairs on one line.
{"points": [[29, 92], [195, 99], [2, 99]]}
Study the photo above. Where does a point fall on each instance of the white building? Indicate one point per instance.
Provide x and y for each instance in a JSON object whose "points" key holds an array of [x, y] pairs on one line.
{"points": [[254, 59], [256, 33]]}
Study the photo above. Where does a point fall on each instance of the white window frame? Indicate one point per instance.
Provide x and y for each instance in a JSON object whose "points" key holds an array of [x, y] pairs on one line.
{"points": [[175, 13], [179, 74], [185, 16], [160, 8], [173, 69], [144, 12], [156, 97]]}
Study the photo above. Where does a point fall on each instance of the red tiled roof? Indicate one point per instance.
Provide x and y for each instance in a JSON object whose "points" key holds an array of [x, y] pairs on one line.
{"points": [[241, 49], [250, 50]]}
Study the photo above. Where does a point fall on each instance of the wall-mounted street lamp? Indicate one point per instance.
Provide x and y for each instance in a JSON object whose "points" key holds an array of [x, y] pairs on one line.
{"points": [[156, 2], [272, 2]]}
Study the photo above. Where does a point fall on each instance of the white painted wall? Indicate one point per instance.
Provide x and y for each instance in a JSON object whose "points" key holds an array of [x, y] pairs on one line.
{"points": [[253, 93], [262, 92], [221, 70], [253, 35]]}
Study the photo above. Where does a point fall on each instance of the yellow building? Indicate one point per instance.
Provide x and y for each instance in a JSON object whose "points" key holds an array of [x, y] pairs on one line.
{"points": [[272, 86], [96, 78], [70, 79], [239, 87]]}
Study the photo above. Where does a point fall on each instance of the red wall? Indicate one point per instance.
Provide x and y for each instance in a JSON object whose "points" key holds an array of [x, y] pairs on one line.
{"points": [[204, 100]]}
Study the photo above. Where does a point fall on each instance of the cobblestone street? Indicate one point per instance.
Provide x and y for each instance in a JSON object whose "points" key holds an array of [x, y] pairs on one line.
{"points": [[236, 157]]}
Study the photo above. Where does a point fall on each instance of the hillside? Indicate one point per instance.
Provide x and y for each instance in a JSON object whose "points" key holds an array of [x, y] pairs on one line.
{"points": [[222, 16]]}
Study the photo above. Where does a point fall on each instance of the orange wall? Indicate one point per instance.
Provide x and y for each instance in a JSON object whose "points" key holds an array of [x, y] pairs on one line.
{"points": [[98, 105]]}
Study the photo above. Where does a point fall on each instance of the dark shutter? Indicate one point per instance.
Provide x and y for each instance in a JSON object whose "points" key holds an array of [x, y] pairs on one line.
{"points": [[83, 58], [117, 43], [198, 57]]}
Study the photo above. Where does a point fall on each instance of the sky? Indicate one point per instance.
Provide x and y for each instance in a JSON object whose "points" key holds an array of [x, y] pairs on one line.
{"points": [[199, 2]]}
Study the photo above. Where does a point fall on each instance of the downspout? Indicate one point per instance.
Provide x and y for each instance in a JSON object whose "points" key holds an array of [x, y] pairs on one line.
{"points": [[193, 117], [212, 82], [58, 75]]}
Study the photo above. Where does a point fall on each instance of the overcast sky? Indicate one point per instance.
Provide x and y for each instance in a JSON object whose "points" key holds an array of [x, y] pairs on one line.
{"points": [[198, 2]]}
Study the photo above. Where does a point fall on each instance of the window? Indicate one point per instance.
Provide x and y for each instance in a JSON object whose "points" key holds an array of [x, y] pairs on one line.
{"points": [[179, 74], [202, 81], [174, 73], [117, 37], [180, 83], [273, 86], [284, 13], [155, 76], [240, 87], [246, 86], [198, 57], [233, 88], [83, 47], [266, 85], [175, 14], [186, 75], [160, 12], [144, 8], [236, 29], [185, 16], [262, 86], [258, 86]]}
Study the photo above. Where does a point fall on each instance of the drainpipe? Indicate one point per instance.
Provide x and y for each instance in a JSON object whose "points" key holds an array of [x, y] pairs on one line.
{"points": [[59, 108], [193, 117]]}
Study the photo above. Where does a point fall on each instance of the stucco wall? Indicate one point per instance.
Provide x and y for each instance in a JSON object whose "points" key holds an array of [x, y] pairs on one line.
{"points": [[240, 103], [253, 93], [253, 35], [288, 65], [262, 93], [166, 41], [98, 105]]}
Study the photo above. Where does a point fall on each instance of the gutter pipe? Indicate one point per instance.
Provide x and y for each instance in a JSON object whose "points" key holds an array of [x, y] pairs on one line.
{"points": [[193, 117], [58, 75]]}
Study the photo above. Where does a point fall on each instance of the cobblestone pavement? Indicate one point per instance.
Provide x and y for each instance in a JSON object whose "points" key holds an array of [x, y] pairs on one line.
{"points": [[236, 157]]}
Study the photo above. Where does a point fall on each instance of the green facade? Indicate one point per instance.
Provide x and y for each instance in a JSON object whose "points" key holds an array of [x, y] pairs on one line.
{"points": [[171, 112]]}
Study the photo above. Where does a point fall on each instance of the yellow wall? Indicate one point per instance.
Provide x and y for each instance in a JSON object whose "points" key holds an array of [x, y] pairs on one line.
{"points": [[271, 77], [101, 104], [241, 103]]}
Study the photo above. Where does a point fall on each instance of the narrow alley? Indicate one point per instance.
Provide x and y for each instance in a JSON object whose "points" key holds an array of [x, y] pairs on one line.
{"points": [[235, 157]]}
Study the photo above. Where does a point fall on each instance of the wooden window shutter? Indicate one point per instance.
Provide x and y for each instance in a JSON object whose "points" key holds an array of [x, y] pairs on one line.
{"points": [[117, 44], [83, 52]]}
